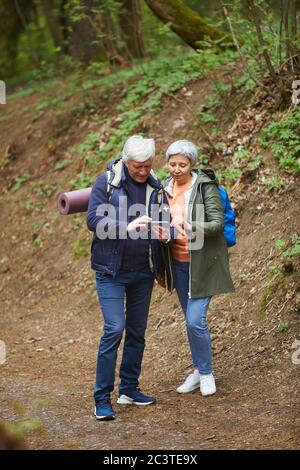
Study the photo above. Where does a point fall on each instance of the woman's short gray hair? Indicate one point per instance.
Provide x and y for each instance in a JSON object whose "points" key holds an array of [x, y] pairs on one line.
{"points": [[183, 147], [138, 148]]}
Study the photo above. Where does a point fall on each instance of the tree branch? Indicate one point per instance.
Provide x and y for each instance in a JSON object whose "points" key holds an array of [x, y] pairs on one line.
{"points": [[244, 61], [262, 40]]}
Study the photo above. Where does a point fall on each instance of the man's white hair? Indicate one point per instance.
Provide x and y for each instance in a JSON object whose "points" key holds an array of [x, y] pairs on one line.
{"points": [[138, 148]]}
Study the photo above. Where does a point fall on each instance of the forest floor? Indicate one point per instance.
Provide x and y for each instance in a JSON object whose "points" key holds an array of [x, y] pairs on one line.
{"points": [[51, 323]]}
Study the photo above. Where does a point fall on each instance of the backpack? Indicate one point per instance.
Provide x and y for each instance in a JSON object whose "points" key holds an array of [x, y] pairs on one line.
{"points": [[229, 218]]}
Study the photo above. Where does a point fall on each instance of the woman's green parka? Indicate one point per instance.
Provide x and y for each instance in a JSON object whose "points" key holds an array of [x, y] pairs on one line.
{"points": [[209, 266]]}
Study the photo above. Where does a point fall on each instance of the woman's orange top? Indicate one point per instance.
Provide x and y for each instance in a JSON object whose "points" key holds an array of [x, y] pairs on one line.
{"points": [[180, 247]]}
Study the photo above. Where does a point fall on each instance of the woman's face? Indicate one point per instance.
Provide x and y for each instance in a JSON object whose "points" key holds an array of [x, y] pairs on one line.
{"points": [[180, 168]]}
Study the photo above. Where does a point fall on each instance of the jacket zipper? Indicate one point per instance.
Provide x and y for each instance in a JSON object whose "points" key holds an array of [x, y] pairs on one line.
{"points": [[190, 243], [149, 215]]}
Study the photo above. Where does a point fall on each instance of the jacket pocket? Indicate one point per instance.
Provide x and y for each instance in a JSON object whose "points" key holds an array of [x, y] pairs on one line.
{"points": [[212, 261]]}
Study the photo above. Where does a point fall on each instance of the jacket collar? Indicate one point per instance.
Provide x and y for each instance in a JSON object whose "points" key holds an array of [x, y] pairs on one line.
{"points": [[201, 176], [119, 175]]}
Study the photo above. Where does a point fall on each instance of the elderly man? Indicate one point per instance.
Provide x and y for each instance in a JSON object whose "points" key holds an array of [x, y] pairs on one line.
{"points": [[126, 260]]}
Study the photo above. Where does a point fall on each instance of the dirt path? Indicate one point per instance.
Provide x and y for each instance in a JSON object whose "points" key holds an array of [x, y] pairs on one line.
{"points": [[50, 323], [51, 349]]}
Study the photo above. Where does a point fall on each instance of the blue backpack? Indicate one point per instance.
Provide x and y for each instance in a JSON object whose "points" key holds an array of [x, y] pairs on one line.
{"points": [[229, 218]]}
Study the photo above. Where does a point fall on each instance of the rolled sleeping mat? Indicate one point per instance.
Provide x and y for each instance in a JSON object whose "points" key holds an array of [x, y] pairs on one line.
{"points": [[74, 201]]}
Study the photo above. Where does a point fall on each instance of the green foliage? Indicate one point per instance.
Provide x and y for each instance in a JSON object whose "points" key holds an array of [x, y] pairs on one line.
{"points": [[242, 154], [230, 175], [158, 36], [283, 327], [279, 244], [146, 94], [295, 250], [38, 225], [5, 161], [80, 247], [284, 139], [55, 216], [143, 89], [42, 189], [33, 87], [213, 102], [273, 183], [21, 428], [63, 164], [245, 82], [36, 241], [48, 229], [82, 181], [90, 148], [277, 280], [19, 181], [22, 93], [162, 173], [78, 222], [274, 271], [28, 205], [245, 30], [254, 164], [206, 117]]}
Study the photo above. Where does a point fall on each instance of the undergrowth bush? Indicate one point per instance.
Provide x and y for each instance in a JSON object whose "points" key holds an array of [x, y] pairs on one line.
{"points": [[283, 137]]}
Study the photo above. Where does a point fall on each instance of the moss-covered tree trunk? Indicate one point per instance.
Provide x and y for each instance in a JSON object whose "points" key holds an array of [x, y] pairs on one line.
{"points": [[187, 23]]}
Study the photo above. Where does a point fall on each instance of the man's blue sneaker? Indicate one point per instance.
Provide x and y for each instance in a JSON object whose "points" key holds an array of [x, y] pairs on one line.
{"points": [[135, 397], [104, 411]]}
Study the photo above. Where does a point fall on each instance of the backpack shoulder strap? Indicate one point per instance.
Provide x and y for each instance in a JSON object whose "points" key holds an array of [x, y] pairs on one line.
{"points": [[109, 187], [224, 197]]}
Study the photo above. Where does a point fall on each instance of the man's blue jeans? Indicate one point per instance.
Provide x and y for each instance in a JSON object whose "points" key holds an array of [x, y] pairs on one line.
{"points": [[195, 311], [134, 288]]}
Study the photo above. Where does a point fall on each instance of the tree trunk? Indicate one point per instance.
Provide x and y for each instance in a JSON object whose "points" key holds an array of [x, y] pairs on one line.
{"points": [[295, 36], [287, 33], [187, 23], [63, 22], [130, 23], [84, 42], [109, 40], [13, 22], [261, 40], [53, 24]]}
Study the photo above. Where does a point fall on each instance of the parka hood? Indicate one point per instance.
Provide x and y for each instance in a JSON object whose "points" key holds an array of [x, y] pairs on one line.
{"points": [[207, 175]]}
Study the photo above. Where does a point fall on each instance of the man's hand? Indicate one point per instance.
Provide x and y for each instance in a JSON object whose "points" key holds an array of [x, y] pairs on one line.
{"points": [[138, 224]]}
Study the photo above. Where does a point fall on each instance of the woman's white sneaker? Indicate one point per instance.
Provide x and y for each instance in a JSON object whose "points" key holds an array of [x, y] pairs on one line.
{"points": [[207, 385], [191, 383]]}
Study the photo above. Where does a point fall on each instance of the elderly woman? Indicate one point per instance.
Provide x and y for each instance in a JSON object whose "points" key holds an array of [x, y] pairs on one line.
{"points": [[199, 254]]}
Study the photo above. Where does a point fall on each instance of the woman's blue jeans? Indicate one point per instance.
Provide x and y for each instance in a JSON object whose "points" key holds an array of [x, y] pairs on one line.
{"points": [[195, 311], [125, 302]]}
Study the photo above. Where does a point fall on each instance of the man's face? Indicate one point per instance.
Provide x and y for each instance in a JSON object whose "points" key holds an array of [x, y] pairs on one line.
{"points": [[139, 171]]}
